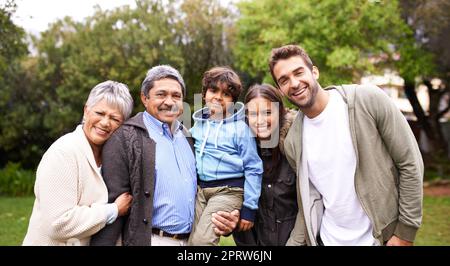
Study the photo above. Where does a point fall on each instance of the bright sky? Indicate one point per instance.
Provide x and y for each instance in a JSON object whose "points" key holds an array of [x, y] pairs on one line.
{"points": [[35, 15]]}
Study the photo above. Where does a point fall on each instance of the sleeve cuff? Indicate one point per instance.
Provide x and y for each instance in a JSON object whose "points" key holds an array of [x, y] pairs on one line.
{"points": [[405, 232], [112, 212], [248, 214]]}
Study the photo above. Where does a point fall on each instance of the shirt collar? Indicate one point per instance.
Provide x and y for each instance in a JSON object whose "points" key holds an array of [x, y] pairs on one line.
{"points": [[161, 127]]}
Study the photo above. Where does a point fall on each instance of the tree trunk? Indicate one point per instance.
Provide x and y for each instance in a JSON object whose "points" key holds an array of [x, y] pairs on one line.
{"points": [[429, 123]]}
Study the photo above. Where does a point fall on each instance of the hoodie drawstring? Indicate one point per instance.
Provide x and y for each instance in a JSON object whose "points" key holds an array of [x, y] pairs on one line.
{"points": [[217, 133], [202, 148], [208, 127]]}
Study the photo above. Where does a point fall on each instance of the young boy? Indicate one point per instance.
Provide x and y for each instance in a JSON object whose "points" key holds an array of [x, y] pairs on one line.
{"points": [[228, 165]]}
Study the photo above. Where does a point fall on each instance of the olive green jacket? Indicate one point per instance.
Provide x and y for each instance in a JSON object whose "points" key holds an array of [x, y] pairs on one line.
{"points": [[389, 171]]}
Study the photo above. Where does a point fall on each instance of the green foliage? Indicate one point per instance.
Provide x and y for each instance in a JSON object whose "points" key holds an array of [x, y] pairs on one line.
{"points": [[206, 33], [343, 38], [14, 181], [119, 45], [42, 95], [13, 50], [50, 88], [431, 23], [414, 62], [12, 45]]}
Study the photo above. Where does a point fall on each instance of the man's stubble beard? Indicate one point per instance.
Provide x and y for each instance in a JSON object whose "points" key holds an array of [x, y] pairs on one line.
{"points": [[314, 89]]}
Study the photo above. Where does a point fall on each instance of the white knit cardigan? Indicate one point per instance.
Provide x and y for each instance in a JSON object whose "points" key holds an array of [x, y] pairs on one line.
{"points": [[71, 195]]}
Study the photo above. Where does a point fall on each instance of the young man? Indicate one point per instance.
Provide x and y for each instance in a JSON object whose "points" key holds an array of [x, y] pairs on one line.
{"points": [[150, 157], [359, 168]]}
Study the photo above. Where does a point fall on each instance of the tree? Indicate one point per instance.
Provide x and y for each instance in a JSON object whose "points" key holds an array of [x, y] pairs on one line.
{"points": [[345, 39], [18, 121], [119, 45], [45, 94], [430, 21], [12, 45], [341, 36], [122, 44], [205, 32]]}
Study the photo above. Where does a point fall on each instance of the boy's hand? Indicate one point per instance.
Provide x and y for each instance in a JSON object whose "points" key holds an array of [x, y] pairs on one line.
{"points": [[244, 225]]}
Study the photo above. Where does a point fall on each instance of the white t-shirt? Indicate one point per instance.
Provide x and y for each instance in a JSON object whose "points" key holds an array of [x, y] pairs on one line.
{"points": [[331, 161]]}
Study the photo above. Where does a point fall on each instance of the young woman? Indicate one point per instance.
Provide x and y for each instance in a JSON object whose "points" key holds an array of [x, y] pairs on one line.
{"points": [[270, 122]]}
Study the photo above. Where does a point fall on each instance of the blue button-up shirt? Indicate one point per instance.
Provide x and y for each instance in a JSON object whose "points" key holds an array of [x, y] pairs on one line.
{"points": [[175, 178]]}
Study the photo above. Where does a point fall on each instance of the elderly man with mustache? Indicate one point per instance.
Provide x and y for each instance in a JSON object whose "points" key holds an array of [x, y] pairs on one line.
{"points": [[151, 157]]}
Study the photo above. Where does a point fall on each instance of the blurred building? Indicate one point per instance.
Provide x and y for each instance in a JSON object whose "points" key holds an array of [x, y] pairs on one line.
{"points": [[392, 84]]}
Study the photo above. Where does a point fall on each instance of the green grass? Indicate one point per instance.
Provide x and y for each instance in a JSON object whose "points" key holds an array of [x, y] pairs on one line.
{"points": [[14, 217], [227, 241], [435, 230]]}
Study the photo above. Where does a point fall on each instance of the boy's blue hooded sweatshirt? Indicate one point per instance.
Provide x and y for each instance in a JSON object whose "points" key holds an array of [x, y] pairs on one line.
{"points": [[226, 149]]}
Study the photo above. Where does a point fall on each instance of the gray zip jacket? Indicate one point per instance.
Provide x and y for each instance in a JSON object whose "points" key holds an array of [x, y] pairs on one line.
{"points": [[389, 170]]}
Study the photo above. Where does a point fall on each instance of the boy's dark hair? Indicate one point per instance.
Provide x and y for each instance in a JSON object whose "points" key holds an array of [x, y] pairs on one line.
{"points": [[286, 52], [225, 75]]}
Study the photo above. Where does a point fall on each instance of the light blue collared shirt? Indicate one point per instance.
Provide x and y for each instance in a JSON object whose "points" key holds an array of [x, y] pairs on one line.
{"points": [[175, 178]]}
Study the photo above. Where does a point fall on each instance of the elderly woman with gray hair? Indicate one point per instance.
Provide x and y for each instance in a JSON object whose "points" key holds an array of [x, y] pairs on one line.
{"points": [[71, 197]]}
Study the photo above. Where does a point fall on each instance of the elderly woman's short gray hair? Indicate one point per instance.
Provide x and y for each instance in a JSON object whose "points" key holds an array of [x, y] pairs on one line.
{"points": [[115, 93], [160, 72]]}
